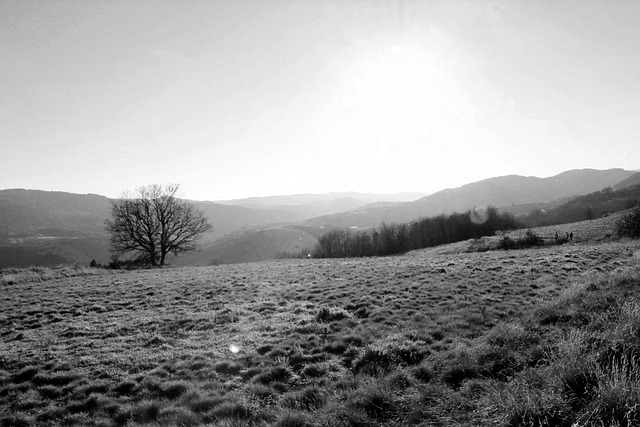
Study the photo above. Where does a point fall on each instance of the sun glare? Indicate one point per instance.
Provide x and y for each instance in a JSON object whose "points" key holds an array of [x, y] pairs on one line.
{"points": [[400, 90]]}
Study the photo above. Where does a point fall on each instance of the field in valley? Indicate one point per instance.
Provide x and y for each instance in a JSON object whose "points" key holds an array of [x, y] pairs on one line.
{"points": [[403, 340]]}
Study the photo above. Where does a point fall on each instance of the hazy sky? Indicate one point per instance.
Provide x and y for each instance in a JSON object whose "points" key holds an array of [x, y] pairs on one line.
{"points": [[247, 98]]}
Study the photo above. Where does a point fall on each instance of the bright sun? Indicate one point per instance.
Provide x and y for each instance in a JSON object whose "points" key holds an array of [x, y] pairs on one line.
{"points": [[399, 88]]}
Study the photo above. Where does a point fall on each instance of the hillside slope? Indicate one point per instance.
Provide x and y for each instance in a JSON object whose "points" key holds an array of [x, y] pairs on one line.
{"points": [[629, 182], [49, 228], [46, 228], [544, 336], [256, 245], [500, 191], [313, 205]]}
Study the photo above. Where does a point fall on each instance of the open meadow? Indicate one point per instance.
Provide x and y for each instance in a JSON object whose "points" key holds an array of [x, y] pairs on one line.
{"points": [[434, 337]]}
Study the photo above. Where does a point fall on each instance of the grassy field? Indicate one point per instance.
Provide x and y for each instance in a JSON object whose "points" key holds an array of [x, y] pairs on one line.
{"points": [[543, 336]]}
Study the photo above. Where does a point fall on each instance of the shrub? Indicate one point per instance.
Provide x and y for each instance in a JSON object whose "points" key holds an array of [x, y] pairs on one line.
{"points": [[629, 225], [96, 264], [529, 240], [326, 315]]}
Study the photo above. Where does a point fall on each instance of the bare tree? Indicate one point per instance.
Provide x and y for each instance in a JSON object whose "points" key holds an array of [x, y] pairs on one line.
{"points": [[154, 223]]}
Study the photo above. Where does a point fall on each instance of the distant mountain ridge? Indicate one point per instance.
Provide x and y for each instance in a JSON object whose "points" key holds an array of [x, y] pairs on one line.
{"points": [[512, 191], [309, 205], [500, 191], [311, 198], [629, 182], [41, 227], [46, 227], [50, 227]]}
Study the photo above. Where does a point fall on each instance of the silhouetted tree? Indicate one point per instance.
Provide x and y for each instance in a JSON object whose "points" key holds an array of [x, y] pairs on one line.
{"points": [[153, 223]]}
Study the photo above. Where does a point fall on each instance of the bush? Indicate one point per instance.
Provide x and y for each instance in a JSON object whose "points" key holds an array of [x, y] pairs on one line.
{"points": [[326, 314], [529, 240], [629, 225], [532, 239], [96, 264]]}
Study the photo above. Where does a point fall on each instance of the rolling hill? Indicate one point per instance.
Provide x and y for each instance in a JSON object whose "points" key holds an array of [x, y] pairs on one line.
{"points": [[47, 228], [314, 205], [629, 182], [442, 336], [501, 191], [537, 193]]}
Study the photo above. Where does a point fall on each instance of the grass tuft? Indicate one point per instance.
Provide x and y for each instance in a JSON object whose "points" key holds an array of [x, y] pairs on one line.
{"points": [[25, 374], [274, 374], [294, 419], [175, 389], [228, 368], [309, 398], [178, 416]]}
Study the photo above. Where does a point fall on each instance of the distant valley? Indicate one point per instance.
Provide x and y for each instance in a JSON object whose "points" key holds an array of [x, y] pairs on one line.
{"points": [[47, 228]]}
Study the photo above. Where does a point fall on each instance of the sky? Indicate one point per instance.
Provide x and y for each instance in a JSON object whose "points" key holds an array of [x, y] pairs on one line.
{"points": [[239, 98]]}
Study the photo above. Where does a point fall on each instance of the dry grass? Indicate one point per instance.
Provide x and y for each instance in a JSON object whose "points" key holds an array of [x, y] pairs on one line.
{"points": [[418, 339], [11, 276]]}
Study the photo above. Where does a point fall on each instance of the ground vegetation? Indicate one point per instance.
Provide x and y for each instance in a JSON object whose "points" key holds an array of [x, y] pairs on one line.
{"points": [[442, 336], [389, 239]]}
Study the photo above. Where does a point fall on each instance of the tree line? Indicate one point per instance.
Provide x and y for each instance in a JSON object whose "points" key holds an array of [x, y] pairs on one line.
{"points": [[586, 207], [389, 239]]}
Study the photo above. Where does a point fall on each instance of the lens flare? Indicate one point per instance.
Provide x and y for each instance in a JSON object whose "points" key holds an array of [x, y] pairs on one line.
{"points": [[479, 215]]}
